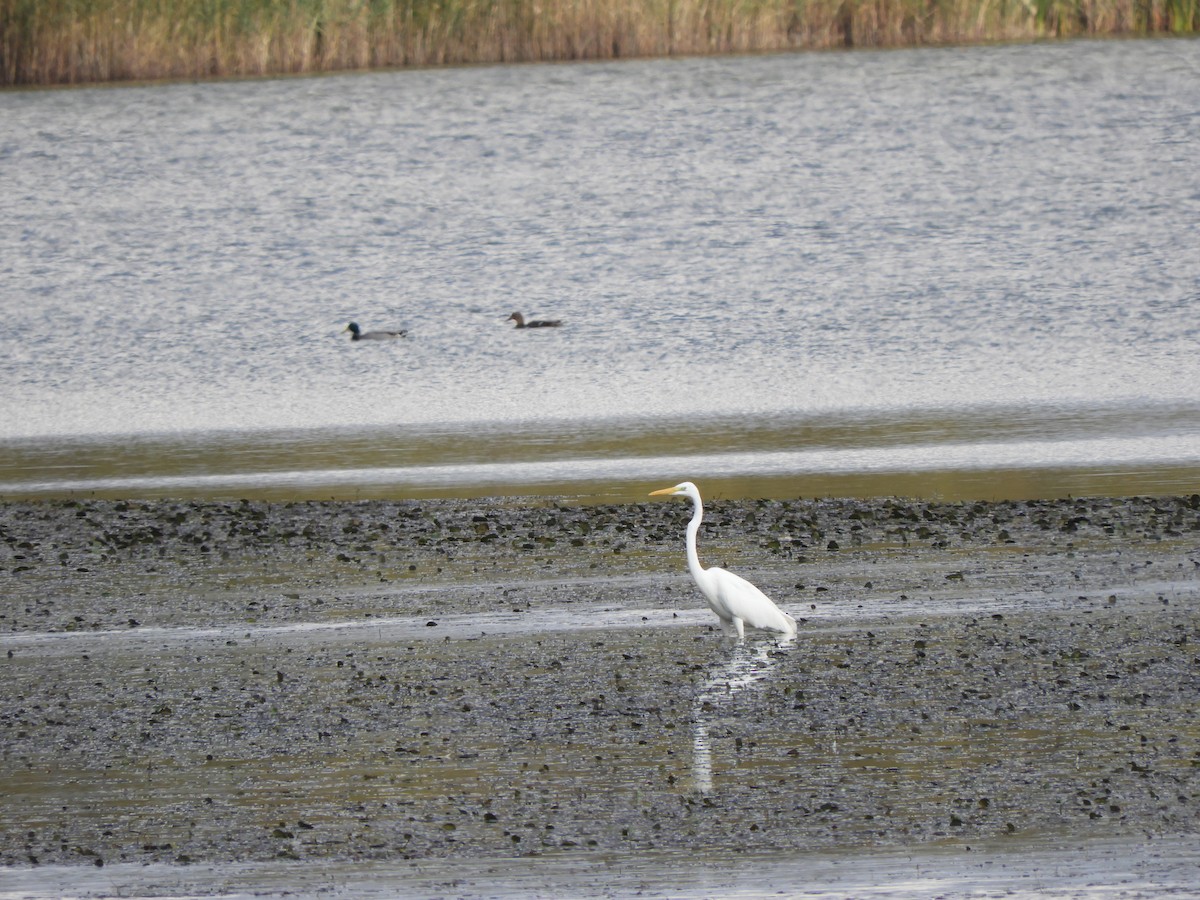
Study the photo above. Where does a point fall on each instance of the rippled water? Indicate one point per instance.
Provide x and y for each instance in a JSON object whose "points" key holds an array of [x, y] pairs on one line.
{"points": [[1015, 870], [846, 268]]}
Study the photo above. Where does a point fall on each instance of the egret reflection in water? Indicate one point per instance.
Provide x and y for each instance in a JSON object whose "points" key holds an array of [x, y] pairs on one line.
{"points": [[747, 665]]}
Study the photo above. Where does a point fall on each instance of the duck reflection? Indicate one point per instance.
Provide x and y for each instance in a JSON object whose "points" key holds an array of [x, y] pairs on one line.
{"points": [[748, 664]]}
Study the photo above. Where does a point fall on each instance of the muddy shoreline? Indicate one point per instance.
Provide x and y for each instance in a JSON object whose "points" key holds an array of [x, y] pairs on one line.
{"points": [[199, 682]]}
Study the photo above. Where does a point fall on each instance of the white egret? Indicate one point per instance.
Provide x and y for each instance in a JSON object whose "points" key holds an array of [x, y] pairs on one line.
{"points": [[357, 334], [735, 600], [535, 323]]}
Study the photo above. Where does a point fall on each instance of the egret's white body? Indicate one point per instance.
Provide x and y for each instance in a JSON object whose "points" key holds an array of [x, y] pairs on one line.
{"points": [[736, 601]]}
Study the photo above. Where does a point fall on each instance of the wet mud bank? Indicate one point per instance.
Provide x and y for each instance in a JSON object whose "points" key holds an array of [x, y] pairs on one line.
{"points": [[210, 682]]}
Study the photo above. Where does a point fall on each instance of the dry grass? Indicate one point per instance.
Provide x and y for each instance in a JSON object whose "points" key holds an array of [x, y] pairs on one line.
{"points": [[67, 41]]}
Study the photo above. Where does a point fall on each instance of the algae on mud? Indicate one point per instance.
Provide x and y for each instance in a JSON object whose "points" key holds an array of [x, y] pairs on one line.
{"points": [[251, 681]]}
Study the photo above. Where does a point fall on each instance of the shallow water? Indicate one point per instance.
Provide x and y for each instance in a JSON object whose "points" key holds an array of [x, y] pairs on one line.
{"points": [[984, 453], [974, 269], [1062, 870]]}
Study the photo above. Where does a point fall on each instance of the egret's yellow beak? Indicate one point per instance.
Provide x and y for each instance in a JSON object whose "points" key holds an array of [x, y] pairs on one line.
{"points": [[669, 490]]}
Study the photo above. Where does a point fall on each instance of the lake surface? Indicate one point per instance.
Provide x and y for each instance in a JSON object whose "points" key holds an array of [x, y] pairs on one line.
{"points": [[948, 272]]}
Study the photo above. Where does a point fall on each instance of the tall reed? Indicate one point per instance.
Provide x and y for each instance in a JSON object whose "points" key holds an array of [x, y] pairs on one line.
{"points": [[66, 41]]}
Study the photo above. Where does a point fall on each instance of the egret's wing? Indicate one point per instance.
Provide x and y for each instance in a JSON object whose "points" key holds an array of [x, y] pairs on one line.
{"points": [[747, 602]]}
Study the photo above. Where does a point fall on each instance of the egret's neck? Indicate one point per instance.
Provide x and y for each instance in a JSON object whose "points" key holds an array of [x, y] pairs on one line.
{"points": [[693, 558]]}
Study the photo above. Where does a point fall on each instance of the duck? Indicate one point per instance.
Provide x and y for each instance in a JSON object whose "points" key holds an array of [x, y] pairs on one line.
{"points": [[357, 334], [535, 323]]}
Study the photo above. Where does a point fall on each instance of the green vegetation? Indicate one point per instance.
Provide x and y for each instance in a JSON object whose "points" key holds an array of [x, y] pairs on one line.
{"points": [[68, 41]]}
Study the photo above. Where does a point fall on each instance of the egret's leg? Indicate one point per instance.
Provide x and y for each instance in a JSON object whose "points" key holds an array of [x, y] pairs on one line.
{"points": [[741, 630]]}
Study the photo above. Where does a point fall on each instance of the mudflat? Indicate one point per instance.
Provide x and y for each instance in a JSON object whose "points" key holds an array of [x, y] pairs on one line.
{"points": [[199, 682]]}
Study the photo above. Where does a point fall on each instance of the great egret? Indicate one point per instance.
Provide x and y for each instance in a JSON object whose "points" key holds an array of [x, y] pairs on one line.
{"points": [[535, 323], [735, 600], [357, 334]]}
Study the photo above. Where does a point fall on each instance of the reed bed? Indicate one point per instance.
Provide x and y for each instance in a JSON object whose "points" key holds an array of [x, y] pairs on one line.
{"points": [[71, 41]]}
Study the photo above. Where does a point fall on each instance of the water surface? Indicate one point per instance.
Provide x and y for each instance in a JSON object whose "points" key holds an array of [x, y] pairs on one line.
{"points": [[1062, 870], [954, 271]]}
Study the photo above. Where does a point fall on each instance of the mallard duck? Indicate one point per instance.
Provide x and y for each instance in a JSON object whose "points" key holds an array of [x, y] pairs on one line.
{"points": [[357, 334], [535, 323]]}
